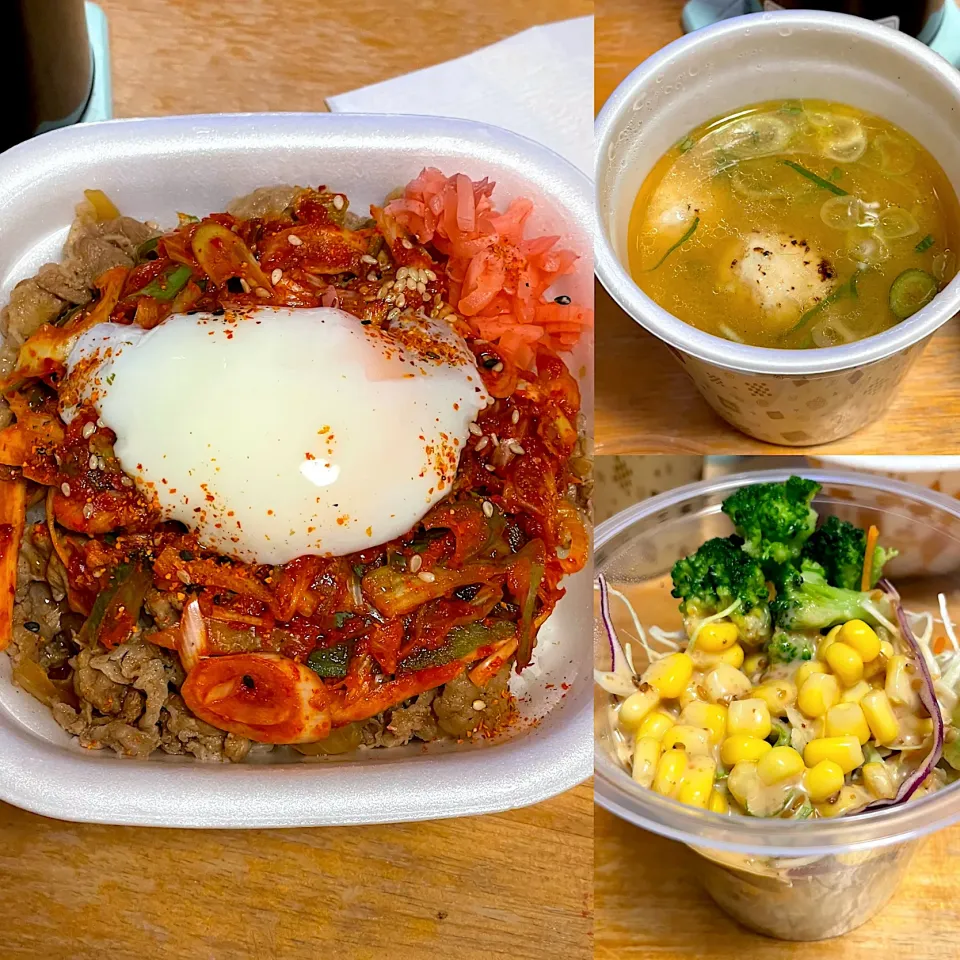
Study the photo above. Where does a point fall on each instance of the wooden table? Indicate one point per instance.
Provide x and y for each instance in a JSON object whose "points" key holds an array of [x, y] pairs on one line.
{"points": [[516, 885], [650, 904], [645, 403]]}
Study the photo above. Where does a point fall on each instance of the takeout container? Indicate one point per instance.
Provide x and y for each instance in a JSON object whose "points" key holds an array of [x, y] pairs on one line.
{"points": [[792, 397], [151, 169], [924, 550], [796, 880]]}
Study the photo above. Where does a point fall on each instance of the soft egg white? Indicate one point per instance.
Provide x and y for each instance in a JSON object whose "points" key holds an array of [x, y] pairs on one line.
{"points": [[276, 432]]}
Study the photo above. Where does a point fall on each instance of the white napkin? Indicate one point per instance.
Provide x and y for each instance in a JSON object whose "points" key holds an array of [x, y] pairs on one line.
{"points": [[538, 83]]}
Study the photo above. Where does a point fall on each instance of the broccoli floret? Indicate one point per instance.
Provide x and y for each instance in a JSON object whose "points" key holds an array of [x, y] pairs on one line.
{"points": [[805, 601], [786, 647], [774, 519], [718, 575], [839, 547]]}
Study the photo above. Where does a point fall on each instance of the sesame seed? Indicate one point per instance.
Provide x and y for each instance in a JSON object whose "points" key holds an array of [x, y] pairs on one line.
{"points": [[244, 285], [366, 258], [426, 576], [481, 443], [427, 298], [416, 562], [338, 202], [276, 275], [100, 423], [87, 511], [402, 273], [101, 463], [479, 705], [497, 368], [393, 314], [430, 275], [489, 467], [487, 509], [262, 292], [411, 283], [421, 287], [93, 461], [407, 245], [183, 576], [382, 292], [371, 276], [126, 481], [65, 489], [89, 429], [515, 417], [494, 439], [401, 300], [294, 240], [475, 429], [515, 448]]}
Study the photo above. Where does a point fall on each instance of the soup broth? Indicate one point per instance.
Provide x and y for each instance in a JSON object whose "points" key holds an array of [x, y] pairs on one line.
{"points": [[795, 224]]}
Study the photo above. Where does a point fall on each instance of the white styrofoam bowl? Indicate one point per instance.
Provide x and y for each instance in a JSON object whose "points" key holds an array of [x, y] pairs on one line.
{"points": [[151, 169]]}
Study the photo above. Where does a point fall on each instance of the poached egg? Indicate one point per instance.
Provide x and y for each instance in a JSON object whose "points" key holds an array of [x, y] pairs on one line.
{"points": [[275, 433]]}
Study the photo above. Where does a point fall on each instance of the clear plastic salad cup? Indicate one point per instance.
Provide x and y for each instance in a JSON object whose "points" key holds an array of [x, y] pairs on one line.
{"points": [[791, 879]]}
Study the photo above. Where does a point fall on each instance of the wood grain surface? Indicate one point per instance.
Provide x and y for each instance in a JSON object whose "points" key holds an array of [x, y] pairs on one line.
{"points": [[645, 403], [516, 885], [649, 904]]}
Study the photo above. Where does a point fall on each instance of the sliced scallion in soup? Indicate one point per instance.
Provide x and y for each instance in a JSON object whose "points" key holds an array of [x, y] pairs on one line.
{"points": [[795, 224]]}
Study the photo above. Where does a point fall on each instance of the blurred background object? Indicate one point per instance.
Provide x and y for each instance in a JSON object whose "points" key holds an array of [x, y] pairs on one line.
{"points": [[56, 51]]}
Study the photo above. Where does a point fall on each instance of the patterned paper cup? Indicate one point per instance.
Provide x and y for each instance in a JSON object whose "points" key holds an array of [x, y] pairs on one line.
{"points": [[793, 397]]}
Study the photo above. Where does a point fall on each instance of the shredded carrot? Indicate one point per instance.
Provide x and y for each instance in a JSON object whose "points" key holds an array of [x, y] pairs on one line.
{"points": [[939, 645], [873, 534], [496, 277]]}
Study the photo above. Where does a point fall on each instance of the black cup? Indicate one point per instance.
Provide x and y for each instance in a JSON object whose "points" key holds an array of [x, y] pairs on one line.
{"points": [[50, 62]]}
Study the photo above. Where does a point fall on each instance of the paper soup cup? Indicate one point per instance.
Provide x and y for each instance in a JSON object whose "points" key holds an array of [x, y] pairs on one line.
{"points": [[793, 397]]}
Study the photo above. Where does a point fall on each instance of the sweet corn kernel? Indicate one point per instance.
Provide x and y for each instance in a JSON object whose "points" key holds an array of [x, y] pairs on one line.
{"points": [[742, 747], [880, 717], [819, 692], [749, 716], [744, 784], [856, 693], [670, 675], [717, 636], [655, 725], [862, 637], [637, 706], [878, 780], [887, 649], [844, 751], [670, 770], [806, 670], [725, 683], [707, 661], [712, 717], [847, 798], [777, 695], [847, 719], [695, 740], [646, 754], [755, 663], [691, 694], [845, 663], [779, 763], [697, 783], [827, 642], [718, 802], [899, 685], [823, 780]]}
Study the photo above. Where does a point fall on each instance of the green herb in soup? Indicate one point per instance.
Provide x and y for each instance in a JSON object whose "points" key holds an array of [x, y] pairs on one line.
{"points": [[795, 224]]}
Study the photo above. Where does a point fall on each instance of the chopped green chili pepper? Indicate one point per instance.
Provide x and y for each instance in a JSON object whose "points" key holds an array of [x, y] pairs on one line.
{"points": [[925, 244], [813, 178], [910, 292], [330, 661], [690, 232], [117, 608], [167, 286], [526, 634], [461, 641], [146, 248], [341, 617]]}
